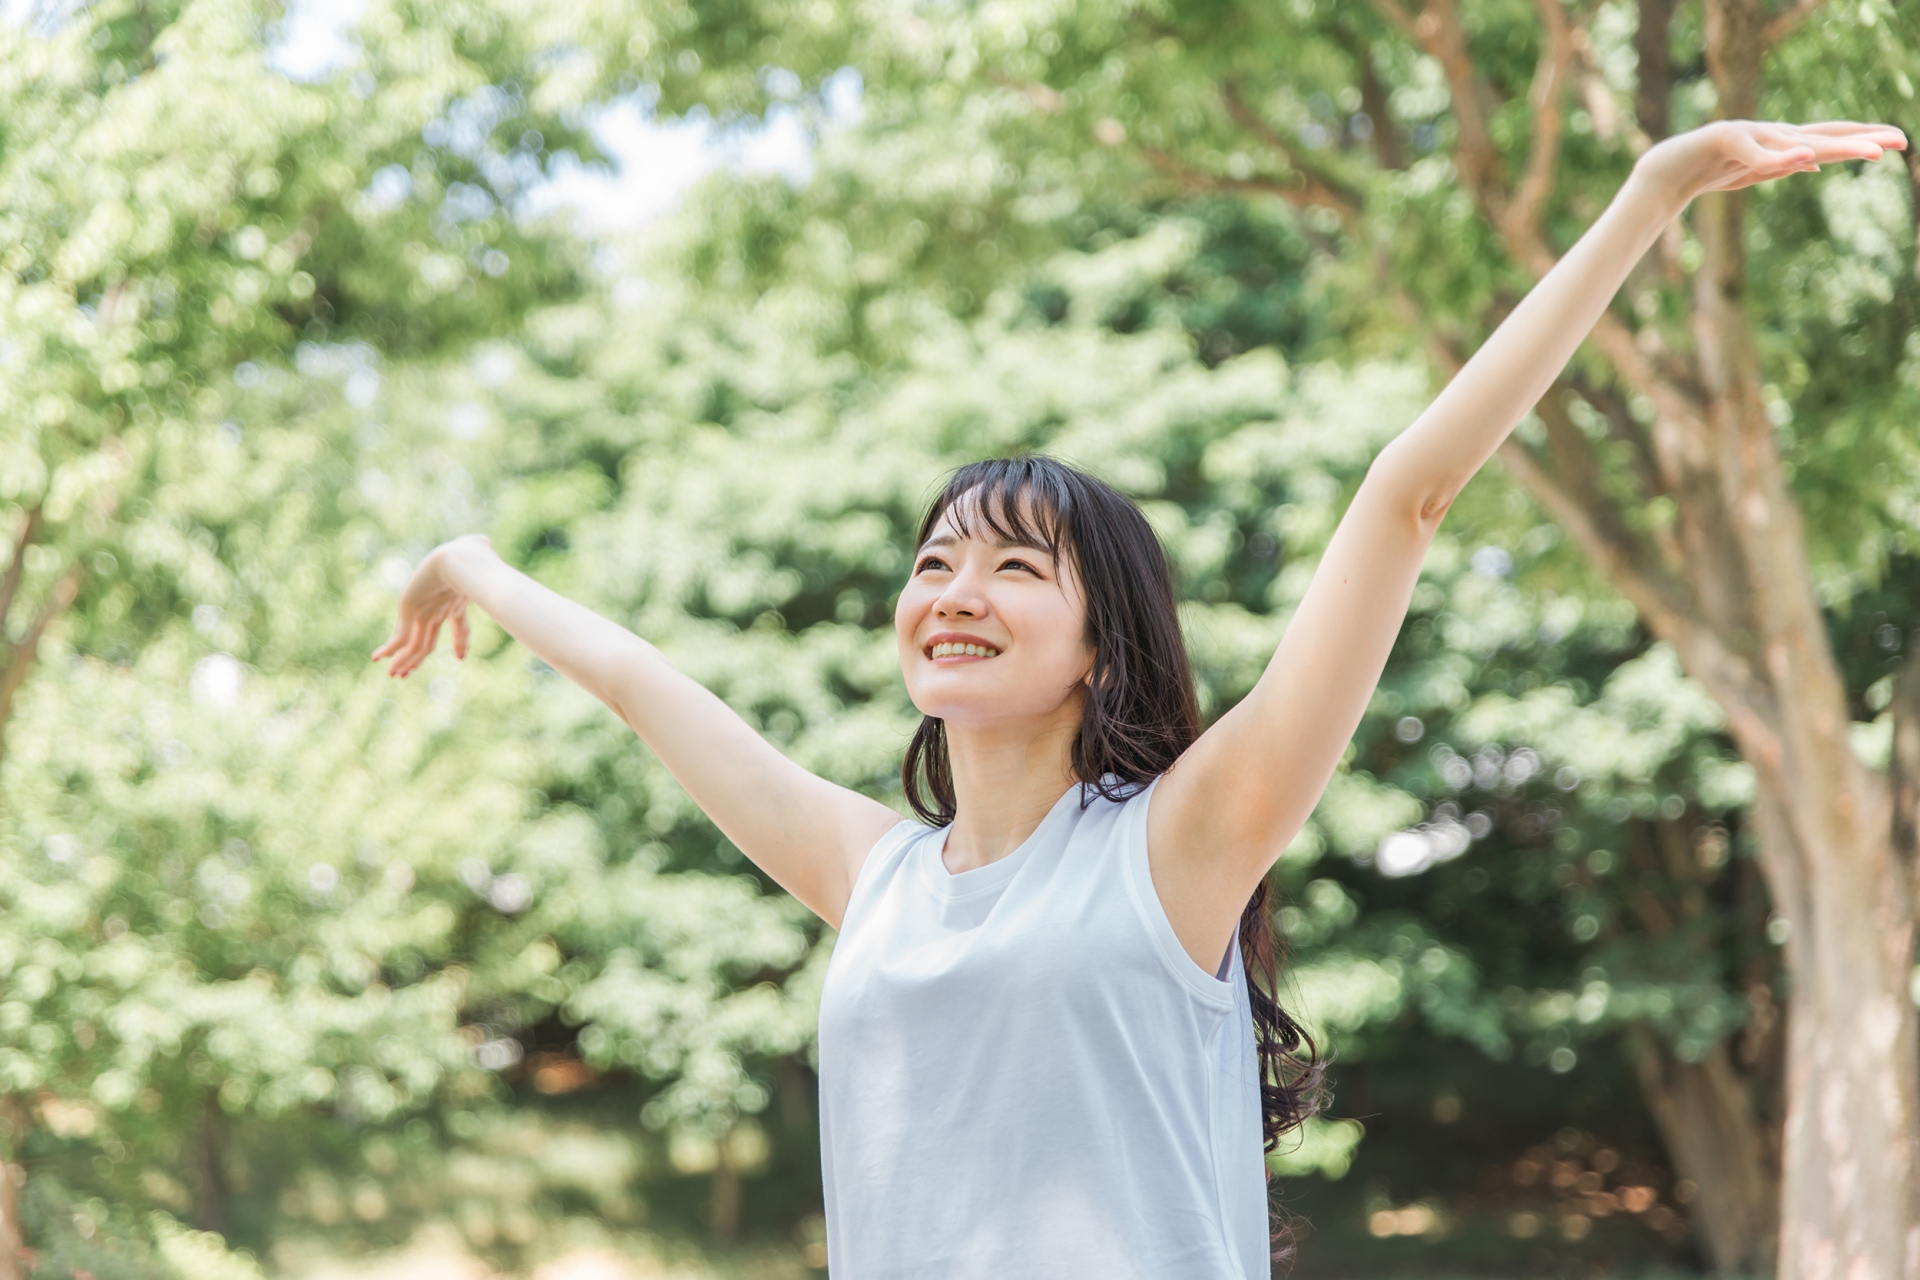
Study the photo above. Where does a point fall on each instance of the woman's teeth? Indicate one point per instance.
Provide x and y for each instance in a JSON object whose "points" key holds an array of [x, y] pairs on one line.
{"points": [[970, 650]]}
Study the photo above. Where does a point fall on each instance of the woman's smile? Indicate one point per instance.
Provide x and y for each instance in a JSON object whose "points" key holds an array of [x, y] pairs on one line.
{"points": [[950, 648]]}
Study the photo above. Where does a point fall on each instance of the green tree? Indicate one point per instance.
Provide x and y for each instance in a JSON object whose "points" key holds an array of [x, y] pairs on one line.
{"points": [[1711, 455], [249, 374], [177, 214]]}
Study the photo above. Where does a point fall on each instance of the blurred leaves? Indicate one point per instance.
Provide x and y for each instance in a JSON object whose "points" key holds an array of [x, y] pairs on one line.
{"points": [[291, 951]]}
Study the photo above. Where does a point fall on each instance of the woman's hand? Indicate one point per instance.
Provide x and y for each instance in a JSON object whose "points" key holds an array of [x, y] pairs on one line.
{"points": [[807, 833], [430, 600], [1730, 154]]}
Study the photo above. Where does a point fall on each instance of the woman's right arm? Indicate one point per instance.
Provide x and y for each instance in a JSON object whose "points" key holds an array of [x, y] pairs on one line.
{"points": [[809, 834]]}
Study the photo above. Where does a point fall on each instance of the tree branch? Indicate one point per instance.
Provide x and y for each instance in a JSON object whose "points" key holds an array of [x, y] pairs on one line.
{"points": [[1782, 24], [1646, 470], [1325, 188], [1438, 31], [1913, 197], [1735, 46], [1389, 147], [1669, 606], [1610, 123], [1621, 426], [1543, 97], [1675, 394], [1904, 767], [16, 566], [1301, 194], [20, 657], [1665, 604], [1579, 471], [1653, 94], [1398, 18]]}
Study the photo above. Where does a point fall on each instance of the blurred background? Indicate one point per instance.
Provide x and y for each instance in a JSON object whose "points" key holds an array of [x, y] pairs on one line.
{"points": [[308, 973]]}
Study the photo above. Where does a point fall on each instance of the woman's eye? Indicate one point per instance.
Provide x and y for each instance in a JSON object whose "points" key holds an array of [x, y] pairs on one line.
{"points": [[1021, 564], [931, 562]]}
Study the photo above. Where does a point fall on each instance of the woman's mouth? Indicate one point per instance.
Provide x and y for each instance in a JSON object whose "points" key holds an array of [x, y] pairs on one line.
{"points": [[947, 649]]}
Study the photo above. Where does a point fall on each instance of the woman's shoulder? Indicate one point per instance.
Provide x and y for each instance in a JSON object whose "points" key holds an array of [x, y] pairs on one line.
{"points": [[884, 858], [1108, 811]]}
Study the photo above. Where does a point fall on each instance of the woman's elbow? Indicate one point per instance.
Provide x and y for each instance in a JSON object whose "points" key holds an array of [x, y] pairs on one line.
{"points": [[1422, 499]]}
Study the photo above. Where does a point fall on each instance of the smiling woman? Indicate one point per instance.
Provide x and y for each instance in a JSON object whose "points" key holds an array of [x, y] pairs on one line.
{"points": [[1137, 1068], [1099, 646], [1041, 1050]]}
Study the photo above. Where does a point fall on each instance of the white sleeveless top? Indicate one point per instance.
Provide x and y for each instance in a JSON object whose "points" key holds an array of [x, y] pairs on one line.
{"points": [[1023, 1073]]}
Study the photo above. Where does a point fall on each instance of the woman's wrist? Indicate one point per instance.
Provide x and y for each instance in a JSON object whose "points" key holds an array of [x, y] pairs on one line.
{"points": [[1651, 192], [461, 560]]}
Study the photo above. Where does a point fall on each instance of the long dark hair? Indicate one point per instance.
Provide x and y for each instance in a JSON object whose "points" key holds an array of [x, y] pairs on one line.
{"points": [[1141, 712]]}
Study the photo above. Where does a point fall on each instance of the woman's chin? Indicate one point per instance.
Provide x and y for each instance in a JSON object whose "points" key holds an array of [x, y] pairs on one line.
{"points": [[983, 712]]}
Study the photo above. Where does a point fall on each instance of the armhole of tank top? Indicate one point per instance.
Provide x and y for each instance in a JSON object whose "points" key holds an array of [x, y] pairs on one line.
{"points": [[887, 846], [1211, 991]]}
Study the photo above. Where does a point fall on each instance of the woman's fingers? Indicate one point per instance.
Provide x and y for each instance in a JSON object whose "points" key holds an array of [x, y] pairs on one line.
{"points": [[396, 645], [1762, 162], [419, 642], [460, 633], [1830, 149], [1832, 141], [429, 638], [1885, 134]]}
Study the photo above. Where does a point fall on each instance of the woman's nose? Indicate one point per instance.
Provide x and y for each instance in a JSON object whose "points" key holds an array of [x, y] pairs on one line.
{"points": [[950, 607], [961, 599]]}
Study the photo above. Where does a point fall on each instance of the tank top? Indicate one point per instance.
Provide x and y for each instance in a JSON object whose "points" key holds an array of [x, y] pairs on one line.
{"points": [[1024, 1076]]}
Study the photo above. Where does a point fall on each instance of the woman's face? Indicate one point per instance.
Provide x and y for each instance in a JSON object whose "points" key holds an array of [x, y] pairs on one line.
{"points": [[990, 633]]}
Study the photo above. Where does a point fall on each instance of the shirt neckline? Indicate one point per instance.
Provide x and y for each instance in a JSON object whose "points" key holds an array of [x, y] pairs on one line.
{"points": [[995, 874]]}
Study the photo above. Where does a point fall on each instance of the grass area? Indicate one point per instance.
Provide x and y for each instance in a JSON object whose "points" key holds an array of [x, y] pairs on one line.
{"points": [[442, 1255]]}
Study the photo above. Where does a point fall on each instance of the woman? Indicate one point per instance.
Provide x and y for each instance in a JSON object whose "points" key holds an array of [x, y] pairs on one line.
{"points": [[1042, 1052]]}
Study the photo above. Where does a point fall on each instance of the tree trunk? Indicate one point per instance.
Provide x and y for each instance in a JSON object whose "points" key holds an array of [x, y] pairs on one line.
{"points": [[1850, 1198], [1739, 606], [1730, 587], [1720, 1124], [723, 1210], [13, 1176], [209, 1173], [1850, 1203], [1706, 1114]]}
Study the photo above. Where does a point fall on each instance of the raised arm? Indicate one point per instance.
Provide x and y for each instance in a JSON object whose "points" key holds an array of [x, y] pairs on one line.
{"points": [[807, 833], [1241, 793]]}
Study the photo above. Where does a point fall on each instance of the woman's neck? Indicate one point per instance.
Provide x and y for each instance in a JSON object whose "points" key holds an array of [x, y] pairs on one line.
{"points": [[1005, 780]]}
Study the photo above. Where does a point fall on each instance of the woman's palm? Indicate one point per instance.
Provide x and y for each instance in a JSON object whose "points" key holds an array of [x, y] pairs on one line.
{"points": [[1730, 154]]}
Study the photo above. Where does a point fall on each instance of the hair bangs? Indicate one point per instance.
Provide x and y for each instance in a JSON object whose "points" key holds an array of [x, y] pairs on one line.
{"points": [[1016, 500]]}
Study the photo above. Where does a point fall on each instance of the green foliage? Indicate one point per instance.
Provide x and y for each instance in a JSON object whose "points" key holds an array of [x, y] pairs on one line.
{"points": [[297, 953]]}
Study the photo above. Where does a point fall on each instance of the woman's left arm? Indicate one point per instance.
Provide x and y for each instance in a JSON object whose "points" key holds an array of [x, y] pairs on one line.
{"points": [[1238, 796]]}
